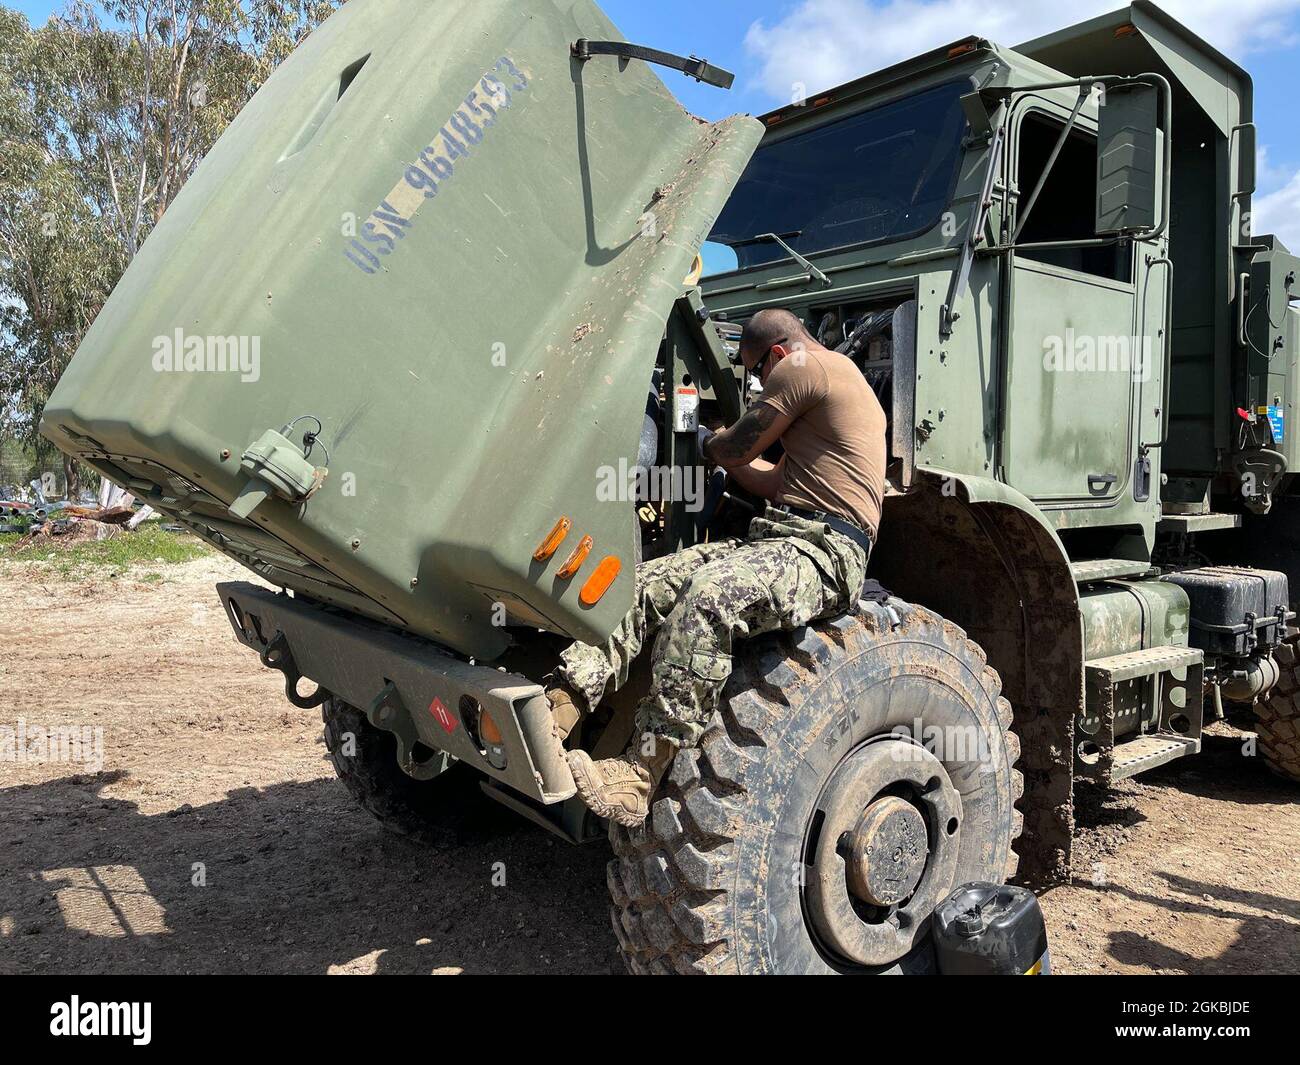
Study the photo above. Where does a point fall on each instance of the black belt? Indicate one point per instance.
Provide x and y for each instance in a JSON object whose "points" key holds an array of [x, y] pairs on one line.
{"points": [[841, 525]]}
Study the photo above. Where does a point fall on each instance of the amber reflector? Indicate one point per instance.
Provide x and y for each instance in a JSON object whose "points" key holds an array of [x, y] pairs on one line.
{"points": [[1127, 30], [574, 562], [487, 729], [547, 547], [960, 49], [600, 580]]}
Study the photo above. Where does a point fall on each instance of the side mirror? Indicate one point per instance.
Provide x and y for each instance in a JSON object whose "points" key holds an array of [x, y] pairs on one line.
{"points": [[977, 114], [1127, 172]]}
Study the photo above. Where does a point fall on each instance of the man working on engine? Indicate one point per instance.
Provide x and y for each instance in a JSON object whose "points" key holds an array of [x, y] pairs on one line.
{"points": [[804, 559]]}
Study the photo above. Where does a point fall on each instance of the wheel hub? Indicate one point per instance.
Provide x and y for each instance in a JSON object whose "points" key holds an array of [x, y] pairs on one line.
{"points": [[887, 852], [882, 851]]}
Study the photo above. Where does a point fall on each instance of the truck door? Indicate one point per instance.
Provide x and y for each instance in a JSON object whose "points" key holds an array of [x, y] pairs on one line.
{"points": [[1075, 363]]}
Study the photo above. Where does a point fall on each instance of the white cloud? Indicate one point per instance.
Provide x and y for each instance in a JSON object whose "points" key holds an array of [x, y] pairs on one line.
{"points": [[822, 43], [1267, 175], [1275, 207], [1278, 213]]}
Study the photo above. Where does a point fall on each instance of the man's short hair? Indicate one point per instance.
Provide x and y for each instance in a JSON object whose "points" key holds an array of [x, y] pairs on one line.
{"points": [[772, 326]]}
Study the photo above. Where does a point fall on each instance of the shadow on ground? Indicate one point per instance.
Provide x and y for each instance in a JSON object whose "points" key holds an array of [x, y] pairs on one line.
{"points": [[1262, 944], [1223, 770], [1227, 795], [297, 881]]}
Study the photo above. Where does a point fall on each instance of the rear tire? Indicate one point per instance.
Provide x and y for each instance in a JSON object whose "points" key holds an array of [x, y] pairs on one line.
{"points": [[1277, 718], [442, 812], [731, 873]]}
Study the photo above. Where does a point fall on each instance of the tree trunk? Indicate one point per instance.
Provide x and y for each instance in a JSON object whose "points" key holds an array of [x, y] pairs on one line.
{"points": [[110, 495], [71, 477]]}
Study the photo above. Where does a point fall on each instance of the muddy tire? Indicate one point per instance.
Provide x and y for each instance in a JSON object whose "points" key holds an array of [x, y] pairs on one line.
{"points": [[441, 812], [745, 864], [1277, 718]]}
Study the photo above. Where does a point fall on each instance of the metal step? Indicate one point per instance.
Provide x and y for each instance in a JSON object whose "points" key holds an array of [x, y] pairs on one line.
{"points": [[1136, 690], [1142, 663], [1107, 569], [1194, 523], [1147, 752]]}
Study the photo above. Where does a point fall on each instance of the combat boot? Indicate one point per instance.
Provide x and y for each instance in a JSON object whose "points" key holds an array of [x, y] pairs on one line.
{"points": [[565, 709], [621, 788]]}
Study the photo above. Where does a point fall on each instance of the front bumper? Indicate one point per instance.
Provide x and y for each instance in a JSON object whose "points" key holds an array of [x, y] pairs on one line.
{"points": [[430, 700]]}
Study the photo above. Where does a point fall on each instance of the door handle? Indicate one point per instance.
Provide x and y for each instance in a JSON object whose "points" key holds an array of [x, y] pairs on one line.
{"points": [[1102, 478], [1243, 290]]}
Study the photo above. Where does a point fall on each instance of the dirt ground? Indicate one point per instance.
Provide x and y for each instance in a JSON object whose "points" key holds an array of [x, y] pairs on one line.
{"points": [[214, 837]]}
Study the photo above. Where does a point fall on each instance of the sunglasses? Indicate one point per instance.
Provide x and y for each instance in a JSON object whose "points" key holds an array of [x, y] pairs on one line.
{"points": [[757, 368]]}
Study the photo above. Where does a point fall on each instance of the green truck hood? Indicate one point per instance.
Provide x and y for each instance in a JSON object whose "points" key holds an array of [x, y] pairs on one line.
{"points": [[455, 246]]}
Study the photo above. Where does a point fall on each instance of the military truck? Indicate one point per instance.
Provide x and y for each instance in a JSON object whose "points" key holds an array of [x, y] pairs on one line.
{"points": [[425, 340]]}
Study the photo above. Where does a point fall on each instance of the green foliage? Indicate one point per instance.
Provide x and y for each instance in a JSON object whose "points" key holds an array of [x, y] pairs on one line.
{"points": [[149, 545], [18, 464], [104, 113]]}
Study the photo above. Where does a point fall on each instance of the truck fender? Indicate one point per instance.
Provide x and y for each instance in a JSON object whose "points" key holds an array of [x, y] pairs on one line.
{"points": [[982, 555]]}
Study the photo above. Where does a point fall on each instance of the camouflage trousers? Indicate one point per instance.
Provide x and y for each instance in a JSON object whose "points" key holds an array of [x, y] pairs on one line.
{"points": [[696, 603]]}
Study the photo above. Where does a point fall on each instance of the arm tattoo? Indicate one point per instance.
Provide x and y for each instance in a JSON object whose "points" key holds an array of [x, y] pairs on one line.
{"points": [[732, 445]]}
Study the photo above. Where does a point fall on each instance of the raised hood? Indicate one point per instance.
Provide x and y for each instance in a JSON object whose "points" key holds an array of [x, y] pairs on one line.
{"points": [[454, 245]]}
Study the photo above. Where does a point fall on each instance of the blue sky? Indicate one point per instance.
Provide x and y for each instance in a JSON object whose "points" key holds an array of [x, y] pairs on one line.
{"points": [[773, 44]]}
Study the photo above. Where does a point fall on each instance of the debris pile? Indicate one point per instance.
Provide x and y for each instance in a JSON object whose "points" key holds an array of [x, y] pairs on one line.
{"points": [[28, 511]]}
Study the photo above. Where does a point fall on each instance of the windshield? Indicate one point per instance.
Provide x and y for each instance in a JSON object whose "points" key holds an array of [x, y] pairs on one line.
{"points": [[875, 176]]}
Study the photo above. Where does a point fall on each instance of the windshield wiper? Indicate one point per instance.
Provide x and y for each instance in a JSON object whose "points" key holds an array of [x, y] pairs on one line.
{"points": [[776, 238]]}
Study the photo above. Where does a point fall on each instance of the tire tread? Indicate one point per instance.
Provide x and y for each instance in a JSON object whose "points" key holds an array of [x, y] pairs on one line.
{"points": [[677, 919], [1277, 718]]}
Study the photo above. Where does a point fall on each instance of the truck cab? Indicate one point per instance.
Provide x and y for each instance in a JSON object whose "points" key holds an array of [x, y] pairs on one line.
{"points": [[1088, 359], [1093, 374]]}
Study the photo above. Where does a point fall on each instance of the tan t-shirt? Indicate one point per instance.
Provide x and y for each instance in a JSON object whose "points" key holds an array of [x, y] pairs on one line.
{"points": [[835, 449]]}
